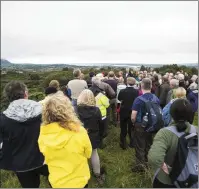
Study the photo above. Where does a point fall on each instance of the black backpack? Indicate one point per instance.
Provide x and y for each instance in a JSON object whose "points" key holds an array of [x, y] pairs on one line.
{"points": [[184, 173], [152, 121]]}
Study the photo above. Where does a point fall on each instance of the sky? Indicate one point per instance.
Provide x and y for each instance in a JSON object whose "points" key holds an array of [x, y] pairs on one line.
{"points": [[160, 32]]}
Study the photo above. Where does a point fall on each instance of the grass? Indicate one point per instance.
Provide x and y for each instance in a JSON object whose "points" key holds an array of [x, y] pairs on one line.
{"points": [[116, 161]]}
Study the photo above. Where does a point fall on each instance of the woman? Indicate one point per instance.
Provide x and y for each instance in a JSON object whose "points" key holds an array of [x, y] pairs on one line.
{"points": [[180, 92], [162, 153], [91, 117], [65, 144]]}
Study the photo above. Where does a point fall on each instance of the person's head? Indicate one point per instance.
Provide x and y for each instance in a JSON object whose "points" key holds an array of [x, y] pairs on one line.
{"points": [[111, 74], [81, 76], [96, 80], [146, 84], [193, 78], [100, 76], [120, 80], [91, 74], [174, 83], [131, 81], [180, 92], [55, 84], [86, 98], [120, 73], [180, 77], [165, 79], [15, 90], [76, 73], [50, 90], [181, 112], [58, 108], [105, 74], [155, 78]]}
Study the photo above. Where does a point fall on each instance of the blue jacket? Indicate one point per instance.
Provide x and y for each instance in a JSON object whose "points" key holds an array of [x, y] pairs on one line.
{"points": [[192, 96]]}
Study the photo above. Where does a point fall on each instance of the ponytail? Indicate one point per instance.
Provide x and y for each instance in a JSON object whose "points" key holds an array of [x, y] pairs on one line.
{"points": [[181, 126]]}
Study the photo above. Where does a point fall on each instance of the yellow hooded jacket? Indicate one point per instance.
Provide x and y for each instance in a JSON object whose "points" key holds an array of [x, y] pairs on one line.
{"points": [[66, 154]]}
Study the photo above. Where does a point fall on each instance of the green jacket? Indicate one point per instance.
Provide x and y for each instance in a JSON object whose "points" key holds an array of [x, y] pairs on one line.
{"points": [[163, 149], [102, 102]]}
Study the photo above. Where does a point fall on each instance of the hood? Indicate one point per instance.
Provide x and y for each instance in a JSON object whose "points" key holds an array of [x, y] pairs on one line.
{"points": [[86, 111], [95, 89], [55, 136], [23, 109]]}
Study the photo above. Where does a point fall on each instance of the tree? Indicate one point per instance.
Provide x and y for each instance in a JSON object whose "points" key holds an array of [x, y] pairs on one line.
{"points": [[65, 69], [194, 71], [142, 68], [34, 76]]}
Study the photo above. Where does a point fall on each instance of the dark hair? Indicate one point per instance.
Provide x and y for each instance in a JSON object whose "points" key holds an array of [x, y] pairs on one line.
{"points": [[181, 112], [105, 73], [15, 90], [50, 90]]}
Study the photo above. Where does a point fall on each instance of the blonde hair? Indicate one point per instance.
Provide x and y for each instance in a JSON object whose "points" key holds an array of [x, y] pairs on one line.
{"points": [[55, 84], [87, 98], [180, 92], [58, 108]]}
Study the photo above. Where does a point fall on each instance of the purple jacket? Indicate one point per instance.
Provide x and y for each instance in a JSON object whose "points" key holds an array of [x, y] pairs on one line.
{"points": [[193, 99]]}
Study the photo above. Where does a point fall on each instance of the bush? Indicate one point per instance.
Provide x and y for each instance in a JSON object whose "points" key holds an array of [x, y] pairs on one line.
{"points": [[34, 76], [37, 96]]}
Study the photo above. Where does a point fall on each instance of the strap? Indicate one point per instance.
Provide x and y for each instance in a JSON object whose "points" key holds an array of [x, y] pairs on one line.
{"points": [[142, 99], [179, 134]]}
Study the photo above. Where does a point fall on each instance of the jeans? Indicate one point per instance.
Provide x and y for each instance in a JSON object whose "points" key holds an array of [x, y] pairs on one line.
{"points": [[74, 103]]}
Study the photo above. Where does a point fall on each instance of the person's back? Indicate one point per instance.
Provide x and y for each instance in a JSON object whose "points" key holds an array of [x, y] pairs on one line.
{"points": [[163, 151], [20, 128], [113, 83], [76, 86], [65, 144], [119, 88], [163, 91]]}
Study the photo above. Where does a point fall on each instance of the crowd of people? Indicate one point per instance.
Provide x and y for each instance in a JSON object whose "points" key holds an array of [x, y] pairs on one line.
{"points": [[58, 136]]}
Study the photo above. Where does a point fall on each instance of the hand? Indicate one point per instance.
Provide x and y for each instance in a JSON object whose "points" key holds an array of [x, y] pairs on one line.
{"points": [[165, 168]]}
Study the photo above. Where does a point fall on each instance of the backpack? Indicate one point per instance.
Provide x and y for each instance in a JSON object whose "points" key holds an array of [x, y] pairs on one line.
{"points": [[152, 121], [184, 173], [166, 114]]}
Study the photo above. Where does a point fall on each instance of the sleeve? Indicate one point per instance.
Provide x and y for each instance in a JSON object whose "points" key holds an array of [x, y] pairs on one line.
{"points": [[136, 105], [88, 147], [86, 85], [158, 150], [120, 95], [110, 91]]}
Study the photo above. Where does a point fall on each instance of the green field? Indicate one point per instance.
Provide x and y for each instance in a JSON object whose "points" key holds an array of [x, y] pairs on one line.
{"points": [[116, 161]]}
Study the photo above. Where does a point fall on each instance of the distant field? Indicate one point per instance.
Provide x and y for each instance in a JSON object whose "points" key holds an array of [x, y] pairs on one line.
{"points": [[117, 162]]}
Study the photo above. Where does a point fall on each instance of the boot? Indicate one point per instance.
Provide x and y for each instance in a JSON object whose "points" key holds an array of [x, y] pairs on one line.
{"points": [[123, 143]]}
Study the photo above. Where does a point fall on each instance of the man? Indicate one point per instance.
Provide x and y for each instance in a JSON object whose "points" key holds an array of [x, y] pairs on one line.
{"points": [[174, 84], [19, 131], [163, 91], [76, 86], [127, 97], [112, 110], [142, 139]]}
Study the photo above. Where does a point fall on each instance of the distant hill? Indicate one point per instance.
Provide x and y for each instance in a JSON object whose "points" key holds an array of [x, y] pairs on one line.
{"points": [[5, 63]]}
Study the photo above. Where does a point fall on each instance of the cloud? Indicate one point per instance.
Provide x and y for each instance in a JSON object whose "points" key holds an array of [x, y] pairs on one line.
{"points": [[83, 32]]}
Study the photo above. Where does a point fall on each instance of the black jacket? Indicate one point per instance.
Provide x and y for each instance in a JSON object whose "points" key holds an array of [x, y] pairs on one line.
{"points": [[127, 97], [92, 120], [19, 132], [163, 92]]}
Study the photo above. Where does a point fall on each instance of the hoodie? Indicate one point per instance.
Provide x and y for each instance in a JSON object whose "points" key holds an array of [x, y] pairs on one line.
{"points": [[92, 120], [19, 131], [66, 154]]}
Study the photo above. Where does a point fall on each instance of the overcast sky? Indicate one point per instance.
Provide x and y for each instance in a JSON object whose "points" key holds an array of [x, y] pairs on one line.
{"points": [[99, 32]]}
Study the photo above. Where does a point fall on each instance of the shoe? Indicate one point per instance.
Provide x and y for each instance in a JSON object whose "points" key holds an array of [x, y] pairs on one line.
{"points": [[123, 144], [138, 168], [100, 179], [131, 146]]}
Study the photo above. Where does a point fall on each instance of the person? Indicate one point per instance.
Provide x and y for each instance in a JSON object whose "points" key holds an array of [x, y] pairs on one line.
{"points": [[192, 96], [19, 131], [102, 102], [174, 84], [142, 139], [48, 92], [127, 97], [65, 144], [162, 153], [66, 91], [193, 83], [112, 109], [163, 91], [55, 84], [76, 86], [90, 116], [155, 85], [120, 86], [89, 81], [180, 92]]}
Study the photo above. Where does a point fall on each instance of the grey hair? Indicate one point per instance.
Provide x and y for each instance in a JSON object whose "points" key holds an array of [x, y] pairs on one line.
{"points": [[76, 72], [174, 82], [96, 80], [146, 84]]}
